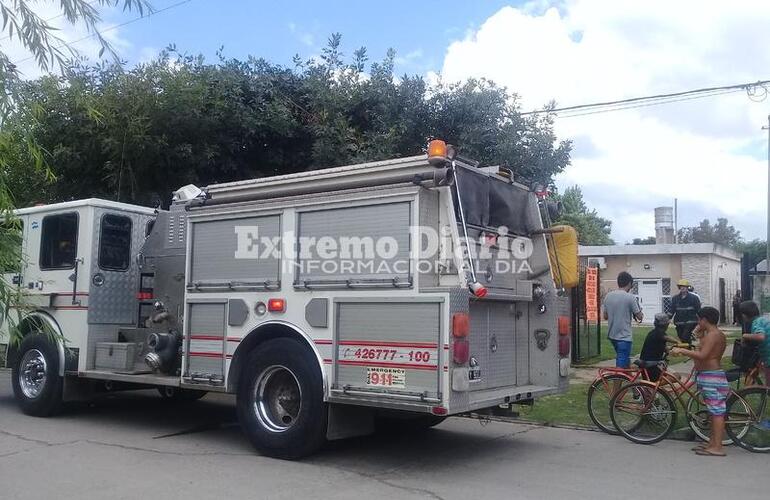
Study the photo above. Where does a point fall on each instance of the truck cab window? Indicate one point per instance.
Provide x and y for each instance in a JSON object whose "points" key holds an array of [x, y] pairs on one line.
{"points": [[59, 241], [115, 243]]}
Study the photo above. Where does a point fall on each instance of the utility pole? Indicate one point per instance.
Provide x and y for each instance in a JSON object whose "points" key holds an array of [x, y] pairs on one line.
{"points": [[767, 256]]}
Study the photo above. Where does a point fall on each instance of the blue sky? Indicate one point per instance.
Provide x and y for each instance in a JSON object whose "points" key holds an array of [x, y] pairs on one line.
{"points": [[708, 153], [420, 31]]}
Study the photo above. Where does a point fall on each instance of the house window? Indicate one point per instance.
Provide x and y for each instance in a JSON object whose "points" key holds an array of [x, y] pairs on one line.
{"points": [[115, 243], [59, 241]]}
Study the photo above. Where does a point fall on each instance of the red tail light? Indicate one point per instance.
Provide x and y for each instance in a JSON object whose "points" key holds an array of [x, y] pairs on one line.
{"points": [[461, 325], [144, 296], [564, 325], [461, 351], [276, 305], [439, 410]]}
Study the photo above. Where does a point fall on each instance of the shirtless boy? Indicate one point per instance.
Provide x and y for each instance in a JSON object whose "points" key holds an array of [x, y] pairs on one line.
{"points": [[710, 378]]}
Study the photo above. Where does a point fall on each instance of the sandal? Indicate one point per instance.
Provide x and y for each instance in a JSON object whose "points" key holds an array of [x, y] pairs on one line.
{"points": [[706, 453]]}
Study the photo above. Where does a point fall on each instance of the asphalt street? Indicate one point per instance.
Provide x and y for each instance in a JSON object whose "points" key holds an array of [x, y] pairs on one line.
{"points": [[135, 445]]}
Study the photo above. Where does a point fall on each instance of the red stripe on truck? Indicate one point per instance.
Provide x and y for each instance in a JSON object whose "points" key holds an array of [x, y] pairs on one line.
{"points": [[387, 365], [416, 345]]}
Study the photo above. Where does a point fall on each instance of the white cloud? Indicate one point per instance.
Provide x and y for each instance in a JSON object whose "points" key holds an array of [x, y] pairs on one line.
{"points": [[708, 152], [77, 35]]}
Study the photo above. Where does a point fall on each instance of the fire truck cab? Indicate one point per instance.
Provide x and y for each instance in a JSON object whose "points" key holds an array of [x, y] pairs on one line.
{"points": [[326, 301]]}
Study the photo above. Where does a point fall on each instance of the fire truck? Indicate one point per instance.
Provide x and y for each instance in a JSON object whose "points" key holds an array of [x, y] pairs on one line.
{"points": [[326, 301]]}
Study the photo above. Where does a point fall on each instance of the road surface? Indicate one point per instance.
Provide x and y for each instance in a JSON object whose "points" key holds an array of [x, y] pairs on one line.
{"points": [[134, 445]]}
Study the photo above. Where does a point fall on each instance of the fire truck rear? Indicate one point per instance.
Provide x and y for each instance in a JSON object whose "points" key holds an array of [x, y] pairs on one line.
{"points": [[327, 301]]}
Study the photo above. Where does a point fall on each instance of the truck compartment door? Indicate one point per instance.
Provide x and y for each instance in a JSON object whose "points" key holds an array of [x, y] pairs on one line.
{"points": [[388, 348]]}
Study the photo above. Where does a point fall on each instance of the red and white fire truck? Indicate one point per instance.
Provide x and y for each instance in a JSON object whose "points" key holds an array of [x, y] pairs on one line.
{"points": [[408, 289]]}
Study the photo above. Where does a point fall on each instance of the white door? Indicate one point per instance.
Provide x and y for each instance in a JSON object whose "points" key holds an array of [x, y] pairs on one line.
{"points": [[650, 298]]}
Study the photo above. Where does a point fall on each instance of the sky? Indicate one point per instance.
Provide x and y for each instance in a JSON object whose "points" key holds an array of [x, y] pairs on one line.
{"points": [[710, 154]]}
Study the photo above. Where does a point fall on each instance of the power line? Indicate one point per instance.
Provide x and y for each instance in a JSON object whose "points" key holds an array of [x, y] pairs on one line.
{"points": [[111, 28], [617, 105], [648, 104]]}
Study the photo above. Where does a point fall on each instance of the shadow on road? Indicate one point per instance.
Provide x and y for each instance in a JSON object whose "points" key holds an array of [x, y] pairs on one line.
{"points": [[213, 418]]}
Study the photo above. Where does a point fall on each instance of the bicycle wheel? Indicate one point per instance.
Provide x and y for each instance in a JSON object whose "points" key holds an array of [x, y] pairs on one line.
{"points": [[750, 429], [643, 414], [699, 419], [599, 395]]}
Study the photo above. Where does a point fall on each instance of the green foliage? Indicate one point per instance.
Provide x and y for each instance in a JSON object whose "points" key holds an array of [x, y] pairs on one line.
{"points": [[138, 135], [754, 251], [591, 229], [23, 170], [705, 232], [650, 240]]}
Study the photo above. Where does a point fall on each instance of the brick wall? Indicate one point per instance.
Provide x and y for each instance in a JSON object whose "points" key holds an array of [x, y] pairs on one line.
{"points": [[697, 269]]}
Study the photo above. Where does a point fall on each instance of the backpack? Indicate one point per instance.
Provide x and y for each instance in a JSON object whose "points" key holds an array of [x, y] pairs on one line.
{"points": [[745, 354]]}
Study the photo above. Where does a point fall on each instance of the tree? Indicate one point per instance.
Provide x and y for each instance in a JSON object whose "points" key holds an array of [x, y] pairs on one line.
{"points": [[754, 251], [650, 240], [20, 23], [591, 229], [136, 135], [705, 232]]}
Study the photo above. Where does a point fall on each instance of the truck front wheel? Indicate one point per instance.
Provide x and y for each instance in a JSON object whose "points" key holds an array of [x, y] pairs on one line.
{"points": [[36, 382], [280, 400]]}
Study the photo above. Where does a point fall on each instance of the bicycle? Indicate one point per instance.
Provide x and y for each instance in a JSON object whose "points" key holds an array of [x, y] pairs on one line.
{"points": [[748, 424], [645, 412], [607, 381]]}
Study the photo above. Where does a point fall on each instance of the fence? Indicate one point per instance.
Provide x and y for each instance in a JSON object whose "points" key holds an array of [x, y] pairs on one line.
{"points": [[586, 315]]}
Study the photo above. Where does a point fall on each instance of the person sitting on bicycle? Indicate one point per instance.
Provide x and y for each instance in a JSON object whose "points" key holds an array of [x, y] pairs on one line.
{"points": [[654, 348], [760, 332], [710, 377]]}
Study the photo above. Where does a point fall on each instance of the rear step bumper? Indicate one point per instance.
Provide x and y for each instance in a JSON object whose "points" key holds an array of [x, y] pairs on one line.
{"points": [[503, 395]]}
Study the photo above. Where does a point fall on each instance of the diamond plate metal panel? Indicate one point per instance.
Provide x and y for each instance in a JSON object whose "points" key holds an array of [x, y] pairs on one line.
{"points": [[114, 301]]}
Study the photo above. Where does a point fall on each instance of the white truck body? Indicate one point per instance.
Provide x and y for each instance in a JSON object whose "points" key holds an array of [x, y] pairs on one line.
{"points": [[364, 285]]}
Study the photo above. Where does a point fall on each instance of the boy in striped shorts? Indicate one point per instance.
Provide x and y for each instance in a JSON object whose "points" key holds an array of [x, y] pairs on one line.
{"points": [[711, 379]]}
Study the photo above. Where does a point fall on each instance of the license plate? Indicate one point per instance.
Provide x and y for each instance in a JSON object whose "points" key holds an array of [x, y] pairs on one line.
{"points": [[386, 377]]}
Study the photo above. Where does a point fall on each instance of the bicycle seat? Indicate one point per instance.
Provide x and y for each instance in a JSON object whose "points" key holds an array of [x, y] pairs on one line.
{"points": [[646, 364], [733, 374]]}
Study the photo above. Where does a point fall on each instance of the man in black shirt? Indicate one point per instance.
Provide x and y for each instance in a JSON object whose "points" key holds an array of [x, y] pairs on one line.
{"points": [[684, 307], [655, 345]]}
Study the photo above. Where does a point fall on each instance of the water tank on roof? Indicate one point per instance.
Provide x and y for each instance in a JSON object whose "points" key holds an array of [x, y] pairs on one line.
{"points": [[664, 225]]}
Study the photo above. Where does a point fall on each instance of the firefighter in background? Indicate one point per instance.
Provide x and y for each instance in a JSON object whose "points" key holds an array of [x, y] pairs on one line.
{"points": [[684, 307]]}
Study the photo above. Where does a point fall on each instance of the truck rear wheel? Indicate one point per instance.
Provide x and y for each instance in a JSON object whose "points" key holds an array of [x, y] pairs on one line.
{"points": [[280, 400], [36, 382]]}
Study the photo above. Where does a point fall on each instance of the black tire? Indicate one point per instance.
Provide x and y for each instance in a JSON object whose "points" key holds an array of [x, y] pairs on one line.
{"points": [[699, 420], [750, 431], [180, 395], [642, 413], [36, 382], [280, 400], [598, 395]]}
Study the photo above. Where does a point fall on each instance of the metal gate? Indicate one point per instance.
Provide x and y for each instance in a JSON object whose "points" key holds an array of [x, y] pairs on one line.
{"points": [[586, 321]]}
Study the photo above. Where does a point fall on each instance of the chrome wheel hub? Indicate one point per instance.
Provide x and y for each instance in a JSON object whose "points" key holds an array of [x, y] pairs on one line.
{"points": [[32, 373], [277, 398]]}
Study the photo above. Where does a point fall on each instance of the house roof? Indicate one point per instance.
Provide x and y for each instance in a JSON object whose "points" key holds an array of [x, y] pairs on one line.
{"points": [[662, 249]]}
